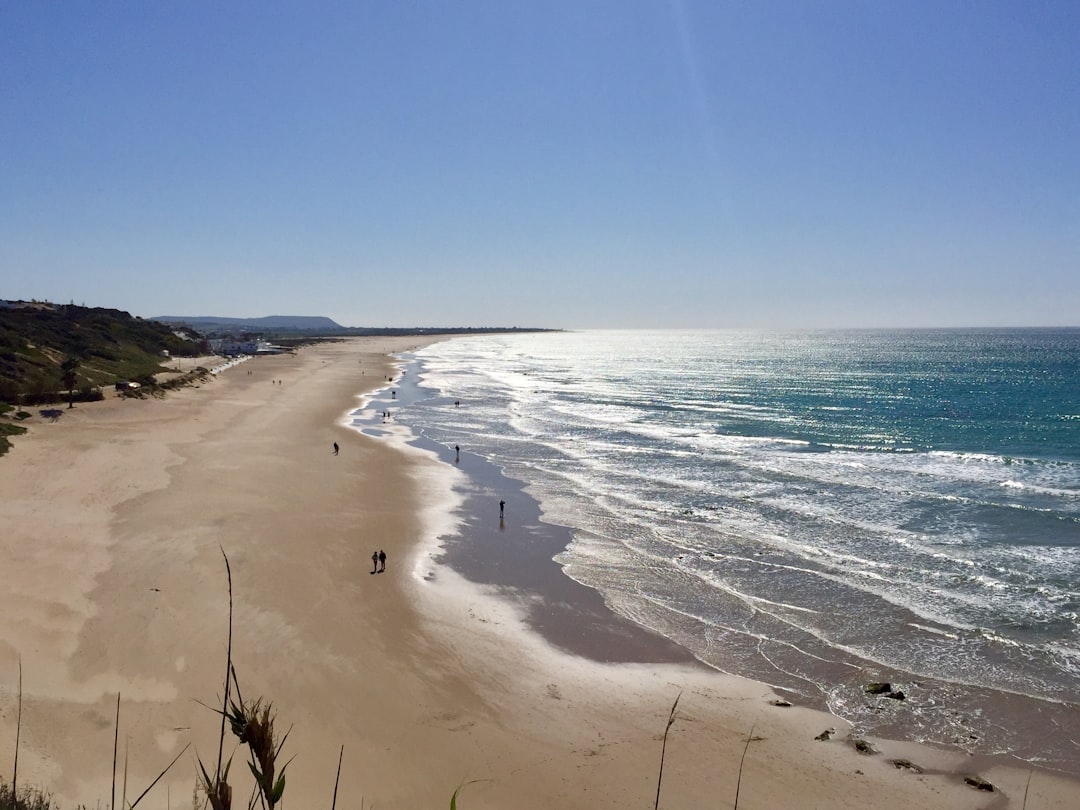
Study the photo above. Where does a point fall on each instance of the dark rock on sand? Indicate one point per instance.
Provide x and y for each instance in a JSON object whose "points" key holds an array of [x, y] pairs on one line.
{"points": [[863, 747], [979, 783], [906, 765], [878, 688], [779, 703], [825, 735], [897, 695]]}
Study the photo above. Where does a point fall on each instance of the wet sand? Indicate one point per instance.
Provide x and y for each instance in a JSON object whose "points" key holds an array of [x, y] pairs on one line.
{"points": [[115, 518]]}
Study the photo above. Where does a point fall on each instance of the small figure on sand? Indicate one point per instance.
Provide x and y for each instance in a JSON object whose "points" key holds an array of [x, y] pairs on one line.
{"points": [[382, 561], [374, 562], [336, 448], [457, 452], [502, 508]]}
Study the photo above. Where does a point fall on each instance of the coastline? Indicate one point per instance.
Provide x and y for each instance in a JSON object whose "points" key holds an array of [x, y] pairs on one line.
{"points": [[114, 517], [510, 547]]}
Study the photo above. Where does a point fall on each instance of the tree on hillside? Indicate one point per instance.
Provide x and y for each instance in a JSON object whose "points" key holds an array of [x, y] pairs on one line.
{"points": [[68, 377]]}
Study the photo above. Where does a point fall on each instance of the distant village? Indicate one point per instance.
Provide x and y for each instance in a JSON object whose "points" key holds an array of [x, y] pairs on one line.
{"points": [[230, 347]]}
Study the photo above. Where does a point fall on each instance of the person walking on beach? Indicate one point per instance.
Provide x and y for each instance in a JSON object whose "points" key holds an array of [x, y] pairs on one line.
{"points": [[502, 508], [374, 562], [335, 448], [382, 561]]}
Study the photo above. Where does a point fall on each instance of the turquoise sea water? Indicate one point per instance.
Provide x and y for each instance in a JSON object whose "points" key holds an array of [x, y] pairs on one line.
{"points": [[812, 509]]}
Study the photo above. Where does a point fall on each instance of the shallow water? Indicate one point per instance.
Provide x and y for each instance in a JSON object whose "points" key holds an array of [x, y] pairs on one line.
{"points": [[815, 510]]}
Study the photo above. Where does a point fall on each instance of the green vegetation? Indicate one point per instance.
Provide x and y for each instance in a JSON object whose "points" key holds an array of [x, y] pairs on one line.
{"points": [[47, 350], [70, 378], [8, 429]]}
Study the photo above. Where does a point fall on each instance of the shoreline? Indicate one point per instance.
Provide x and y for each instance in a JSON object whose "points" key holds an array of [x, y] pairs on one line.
{"points": [[519, 568], [514, 549], [115, 518], [491, 557]]}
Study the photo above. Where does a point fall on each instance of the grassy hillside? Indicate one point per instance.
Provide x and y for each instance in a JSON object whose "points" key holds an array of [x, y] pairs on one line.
{"points": [[35, 339]]}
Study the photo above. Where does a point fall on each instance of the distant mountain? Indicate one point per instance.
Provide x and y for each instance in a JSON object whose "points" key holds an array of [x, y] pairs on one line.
{"points": [[209, 323], [299, 327]]}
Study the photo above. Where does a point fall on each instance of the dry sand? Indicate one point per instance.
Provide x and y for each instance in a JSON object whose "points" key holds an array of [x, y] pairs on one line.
{"points": [[114, 518]]}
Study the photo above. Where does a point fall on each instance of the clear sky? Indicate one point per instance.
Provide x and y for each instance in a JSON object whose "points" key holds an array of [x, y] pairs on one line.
{"points": [[561, 163]]}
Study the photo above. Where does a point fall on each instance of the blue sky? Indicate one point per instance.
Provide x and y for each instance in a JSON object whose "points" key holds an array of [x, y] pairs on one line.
{"points": [[566, 163]]}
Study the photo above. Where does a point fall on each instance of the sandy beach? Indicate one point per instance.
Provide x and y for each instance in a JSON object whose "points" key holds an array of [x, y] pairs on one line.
{"points": [[114, 521]]}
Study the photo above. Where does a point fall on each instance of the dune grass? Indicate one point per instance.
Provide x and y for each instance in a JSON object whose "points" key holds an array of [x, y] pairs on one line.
{"points": [[252, 723], [8, 429], [28, 799]]}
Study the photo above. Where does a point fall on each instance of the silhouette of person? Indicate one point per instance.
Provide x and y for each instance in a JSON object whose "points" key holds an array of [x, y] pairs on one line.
{"points": [[335, 448], [382, 560], [502, 508], [374, 562]]}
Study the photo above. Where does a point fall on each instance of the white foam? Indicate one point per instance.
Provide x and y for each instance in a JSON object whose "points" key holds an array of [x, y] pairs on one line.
{"points": [[898, 526], [935, 630], [438, 500]]}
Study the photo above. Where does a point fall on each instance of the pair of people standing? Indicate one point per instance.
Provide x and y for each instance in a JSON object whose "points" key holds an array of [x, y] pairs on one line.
{"points": [[378, 561]]}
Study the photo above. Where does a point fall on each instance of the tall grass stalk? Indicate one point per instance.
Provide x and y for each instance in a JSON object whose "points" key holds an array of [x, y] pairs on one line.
{"points": [[18, 733], [453, 798], [228, 670], [742, 759], [252, 723], [218, 792], [115, 746], [158, 779], [123, 792], [663, 749], [341, 753]]}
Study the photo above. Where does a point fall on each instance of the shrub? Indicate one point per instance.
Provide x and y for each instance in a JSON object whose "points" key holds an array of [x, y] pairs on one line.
{"points": [[28, 799]]}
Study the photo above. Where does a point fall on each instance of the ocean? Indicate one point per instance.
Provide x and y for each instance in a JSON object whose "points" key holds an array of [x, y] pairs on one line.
{"points": [[815, 510]]}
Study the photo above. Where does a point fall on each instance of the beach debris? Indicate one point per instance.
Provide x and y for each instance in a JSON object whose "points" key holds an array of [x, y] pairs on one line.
{"points": [[779, 702], [863, 747], [897, 695], [979, 783], [826, 735], [906, 765]]}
